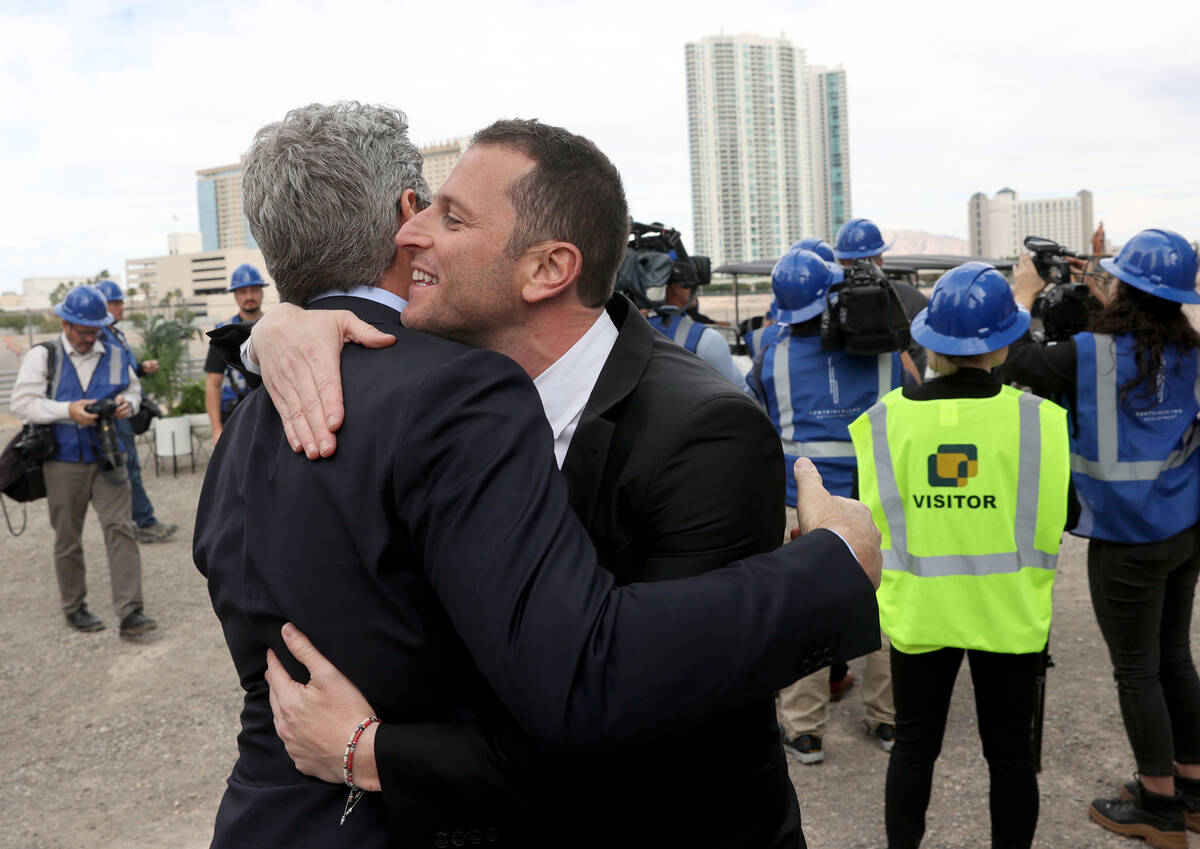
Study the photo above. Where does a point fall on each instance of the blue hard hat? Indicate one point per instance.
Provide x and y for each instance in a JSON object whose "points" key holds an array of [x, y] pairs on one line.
{"points": [[245, 275], [111, 290], [858, 238], [84, 305], [800, 280], [1159, 262], [773, 310], [818, 246], [971, 311]]}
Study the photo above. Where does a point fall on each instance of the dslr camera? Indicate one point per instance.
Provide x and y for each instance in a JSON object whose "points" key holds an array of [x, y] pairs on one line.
{"points": [[109, 456], [654, 258], [1065, 308], [867, 316]]}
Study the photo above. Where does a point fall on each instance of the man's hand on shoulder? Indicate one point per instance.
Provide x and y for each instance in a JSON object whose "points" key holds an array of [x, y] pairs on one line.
{"points": [[299, 352], [849, 519]]}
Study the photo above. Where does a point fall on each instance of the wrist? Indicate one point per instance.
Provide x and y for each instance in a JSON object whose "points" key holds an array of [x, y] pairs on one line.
{"points": [[366, 774]]}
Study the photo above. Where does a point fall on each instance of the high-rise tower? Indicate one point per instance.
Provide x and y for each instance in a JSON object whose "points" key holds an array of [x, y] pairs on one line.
{"points": [[769, 147]]}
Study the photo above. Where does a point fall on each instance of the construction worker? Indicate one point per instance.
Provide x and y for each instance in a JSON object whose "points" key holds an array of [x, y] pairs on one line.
{"points": [[968, 482], [811, 395], [225, 386], [146, 527], [859, 238], [757, 338], [1133, 387]]}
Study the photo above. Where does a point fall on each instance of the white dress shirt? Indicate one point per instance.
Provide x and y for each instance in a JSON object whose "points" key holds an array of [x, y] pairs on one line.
{"points": [[566, 386], [29, 402]]}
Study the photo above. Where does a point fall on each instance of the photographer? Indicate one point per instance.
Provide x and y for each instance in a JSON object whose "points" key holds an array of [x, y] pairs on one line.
{"points": [[661, 280], [1132, 385], [859, 238], [79, 386], [225, 386], [147, 528]]}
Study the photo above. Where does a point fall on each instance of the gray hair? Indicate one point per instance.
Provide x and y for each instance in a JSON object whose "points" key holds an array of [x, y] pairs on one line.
{"points": [[321, 191]]}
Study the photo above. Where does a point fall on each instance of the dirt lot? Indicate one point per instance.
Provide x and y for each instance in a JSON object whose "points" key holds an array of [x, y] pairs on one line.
{"points": [[112, 743]]}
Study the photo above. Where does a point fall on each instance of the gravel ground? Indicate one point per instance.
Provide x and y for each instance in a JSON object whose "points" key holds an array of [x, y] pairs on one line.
{"points": [[113, 743]]}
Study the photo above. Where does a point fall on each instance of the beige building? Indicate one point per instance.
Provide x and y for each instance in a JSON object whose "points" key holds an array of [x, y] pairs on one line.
{"points": [[36, 291], [223, 225], [202, 277], [440, 160], [998, 225]]}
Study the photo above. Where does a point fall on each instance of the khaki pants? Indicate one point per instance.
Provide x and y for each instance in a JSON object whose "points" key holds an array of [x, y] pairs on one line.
{"points": [[803, 707], [69, 488]]}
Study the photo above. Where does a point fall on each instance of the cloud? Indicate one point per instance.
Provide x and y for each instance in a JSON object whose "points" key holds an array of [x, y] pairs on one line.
{"points": [[110, 107]]}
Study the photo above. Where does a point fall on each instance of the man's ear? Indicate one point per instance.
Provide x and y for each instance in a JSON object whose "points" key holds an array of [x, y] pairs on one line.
{"points": [[550, 269], [407, 206]]}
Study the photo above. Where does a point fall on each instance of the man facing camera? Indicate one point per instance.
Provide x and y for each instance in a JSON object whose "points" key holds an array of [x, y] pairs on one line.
{"points": [[441, 524], [62, 384]]}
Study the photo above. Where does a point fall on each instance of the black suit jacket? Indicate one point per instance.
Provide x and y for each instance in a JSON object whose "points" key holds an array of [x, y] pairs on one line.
{"points": [[435, 560], [674, 473]]}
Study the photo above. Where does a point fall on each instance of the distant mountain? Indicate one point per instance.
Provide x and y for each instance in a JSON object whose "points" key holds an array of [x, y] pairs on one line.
{"points": [[920, 242]]}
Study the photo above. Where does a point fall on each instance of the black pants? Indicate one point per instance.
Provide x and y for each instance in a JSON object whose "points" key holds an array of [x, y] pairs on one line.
{"points": [[1004, 703], [1142, 595]]}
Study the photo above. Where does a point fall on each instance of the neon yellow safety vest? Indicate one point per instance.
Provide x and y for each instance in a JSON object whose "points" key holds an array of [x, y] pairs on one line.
{"points": [[970, 495]]}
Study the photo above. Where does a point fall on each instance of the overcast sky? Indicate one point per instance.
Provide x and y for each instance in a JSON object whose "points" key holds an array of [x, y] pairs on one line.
{"points": [[109, 108]]}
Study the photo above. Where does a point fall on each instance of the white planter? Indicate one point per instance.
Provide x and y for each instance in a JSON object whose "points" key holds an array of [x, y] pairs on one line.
{"points": [[172, 436], [201, 426]]}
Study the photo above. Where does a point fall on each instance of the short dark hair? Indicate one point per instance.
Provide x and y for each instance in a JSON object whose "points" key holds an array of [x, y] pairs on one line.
{"points": [[574, 194], [321, 192]]}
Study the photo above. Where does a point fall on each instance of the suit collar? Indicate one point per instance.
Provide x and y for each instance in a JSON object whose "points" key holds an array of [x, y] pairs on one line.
{"points": [[367, 310], [623, 370]]}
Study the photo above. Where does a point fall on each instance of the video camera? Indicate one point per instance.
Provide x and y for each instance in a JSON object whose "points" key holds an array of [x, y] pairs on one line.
{"points": [[654, 258], [867, 316], [1065, 308], [110, 456]]}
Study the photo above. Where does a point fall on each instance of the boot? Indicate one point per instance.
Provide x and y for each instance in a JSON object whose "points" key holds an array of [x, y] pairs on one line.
{"points": [[1155, 818], [1189, 791]]}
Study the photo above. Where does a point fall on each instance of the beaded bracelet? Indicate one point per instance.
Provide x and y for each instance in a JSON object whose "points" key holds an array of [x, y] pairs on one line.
{"points": [[348, 766]]}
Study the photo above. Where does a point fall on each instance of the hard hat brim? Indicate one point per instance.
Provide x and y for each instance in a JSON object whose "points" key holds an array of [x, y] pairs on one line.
{"points": [[803, 313], [861, 254], [954, 346], [82, 322], [1158, 290]]}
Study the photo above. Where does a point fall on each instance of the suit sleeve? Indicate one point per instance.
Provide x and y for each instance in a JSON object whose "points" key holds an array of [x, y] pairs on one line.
{"points": [[224, 349], [571, 655]]}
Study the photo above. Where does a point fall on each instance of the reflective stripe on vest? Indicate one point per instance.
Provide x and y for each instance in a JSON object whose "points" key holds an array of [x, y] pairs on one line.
{"points": [[786, 423], [679, 328], [1024, 525], [1108, 467]]}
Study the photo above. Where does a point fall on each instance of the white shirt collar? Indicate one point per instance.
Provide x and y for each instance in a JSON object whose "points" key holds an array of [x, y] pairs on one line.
{"points": [[370, 293], [566, 386]]}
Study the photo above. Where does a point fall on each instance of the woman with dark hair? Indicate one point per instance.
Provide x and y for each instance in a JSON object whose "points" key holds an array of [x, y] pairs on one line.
{"points": [[1132, 386]]}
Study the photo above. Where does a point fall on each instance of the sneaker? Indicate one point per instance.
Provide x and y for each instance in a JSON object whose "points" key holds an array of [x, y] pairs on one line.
{"points": [[137, 623], [884, 734], [1156, 819], [1191, 802], [806, 748], [158, 532], [839, 689]]}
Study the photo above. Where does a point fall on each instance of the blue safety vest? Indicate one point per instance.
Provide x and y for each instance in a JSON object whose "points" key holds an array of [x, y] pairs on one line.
{"points": [[679, 327], [758, 339], [78, 444], [812, 395], [235, 388], [1134, 462]]}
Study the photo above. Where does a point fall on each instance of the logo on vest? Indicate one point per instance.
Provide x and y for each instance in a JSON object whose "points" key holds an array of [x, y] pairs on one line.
{"points": [[953, 465]]}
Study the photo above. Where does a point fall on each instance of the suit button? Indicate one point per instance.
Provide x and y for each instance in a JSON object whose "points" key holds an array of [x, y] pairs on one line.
{"points": [[474, 837], [458, 838], [491, 836], [441, 840]]}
